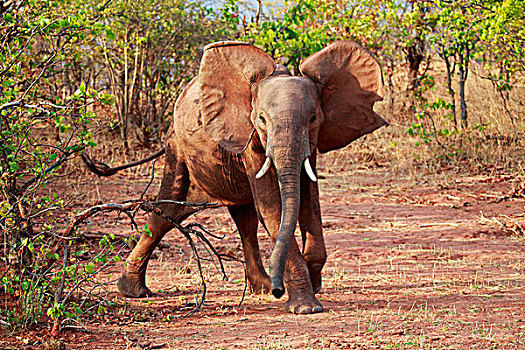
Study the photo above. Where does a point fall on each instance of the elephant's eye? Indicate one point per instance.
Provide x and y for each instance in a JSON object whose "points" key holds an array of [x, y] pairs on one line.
{"points": [[312, 118], [263, 121]]}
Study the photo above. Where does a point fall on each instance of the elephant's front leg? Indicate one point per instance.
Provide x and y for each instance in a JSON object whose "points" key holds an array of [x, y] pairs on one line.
{"points": [[174, 186], [314, 251], [301, 294]]}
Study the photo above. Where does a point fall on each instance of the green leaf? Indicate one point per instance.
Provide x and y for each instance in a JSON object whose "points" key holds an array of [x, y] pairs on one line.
{"points": [[89, 267], [8, 17], [13, 167]]}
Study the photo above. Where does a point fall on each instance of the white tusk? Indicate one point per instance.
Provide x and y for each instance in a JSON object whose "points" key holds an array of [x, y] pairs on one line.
{"points": [[264, 168], [309, 170]]}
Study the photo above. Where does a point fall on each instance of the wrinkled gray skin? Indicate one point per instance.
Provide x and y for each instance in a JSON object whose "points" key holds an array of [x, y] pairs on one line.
{"points": [[285, 120]]}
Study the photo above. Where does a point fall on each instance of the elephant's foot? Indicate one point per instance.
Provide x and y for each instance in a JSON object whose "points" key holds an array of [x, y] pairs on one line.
{"points": [[260, 285], [303, 305], [133, 285]]}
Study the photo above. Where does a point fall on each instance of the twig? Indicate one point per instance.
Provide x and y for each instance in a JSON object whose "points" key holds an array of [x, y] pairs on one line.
{"points": [[245, 286], [103, 7], [59, 162], [22, 49], [81, 326], [151, 180], [203, 205]]}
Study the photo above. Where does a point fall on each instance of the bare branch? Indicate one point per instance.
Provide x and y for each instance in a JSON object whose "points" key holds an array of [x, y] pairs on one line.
{"points": [[258, 13], [187, 231], [19, 103], [151, 180]]}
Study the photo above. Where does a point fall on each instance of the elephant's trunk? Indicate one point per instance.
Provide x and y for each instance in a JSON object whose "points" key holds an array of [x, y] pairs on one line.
{"points": [[289, 215], [288, 161]]}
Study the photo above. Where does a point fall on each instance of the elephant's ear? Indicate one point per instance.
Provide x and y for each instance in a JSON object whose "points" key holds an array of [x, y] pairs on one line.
{"points": [[352, 83], [229, 72]]}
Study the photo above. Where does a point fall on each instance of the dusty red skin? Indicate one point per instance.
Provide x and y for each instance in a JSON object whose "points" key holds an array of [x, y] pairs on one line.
{"points": [[233, 117]]}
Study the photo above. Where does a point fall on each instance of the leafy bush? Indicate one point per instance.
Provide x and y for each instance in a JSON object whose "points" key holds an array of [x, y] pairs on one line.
{"points": [[62, 64], [47, 119]]}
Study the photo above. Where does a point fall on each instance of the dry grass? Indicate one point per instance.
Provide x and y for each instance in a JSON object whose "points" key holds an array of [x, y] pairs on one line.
{"points": [[492, 144], [506, 223]]}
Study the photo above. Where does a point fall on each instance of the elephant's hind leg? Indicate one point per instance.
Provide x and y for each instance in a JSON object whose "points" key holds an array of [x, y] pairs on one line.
{"points": [[175, 184], [245, 218]]}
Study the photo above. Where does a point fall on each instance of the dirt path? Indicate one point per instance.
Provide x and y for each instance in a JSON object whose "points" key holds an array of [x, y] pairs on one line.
{"points": [[410, 265]]}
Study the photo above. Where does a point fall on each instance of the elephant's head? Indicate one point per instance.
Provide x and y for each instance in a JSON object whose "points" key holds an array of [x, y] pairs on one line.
{"points": [[326, 109]]}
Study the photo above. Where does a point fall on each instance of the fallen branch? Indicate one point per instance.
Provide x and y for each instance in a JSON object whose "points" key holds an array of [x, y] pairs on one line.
{"points": [[188, 231]]}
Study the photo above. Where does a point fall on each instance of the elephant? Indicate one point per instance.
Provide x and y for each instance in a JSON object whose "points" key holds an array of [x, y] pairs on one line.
{"points": [[245, 134]]}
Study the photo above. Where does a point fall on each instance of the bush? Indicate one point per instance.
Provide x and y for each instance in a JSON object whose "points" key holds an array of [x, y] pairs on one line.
{"points": [[47, 119]]}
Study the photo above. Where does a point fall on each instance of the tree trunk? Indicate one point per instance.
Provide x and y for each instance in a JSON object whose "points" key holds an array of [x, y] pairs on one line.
{"points": [[463, 59], [391, 84], [451, 92], [415, 56], [504, 93]]}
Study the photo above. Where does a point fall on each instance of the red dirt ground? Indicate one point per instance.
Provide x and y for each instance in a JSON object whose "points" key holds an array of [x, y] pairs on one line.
{"points": [[433, 264]]}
